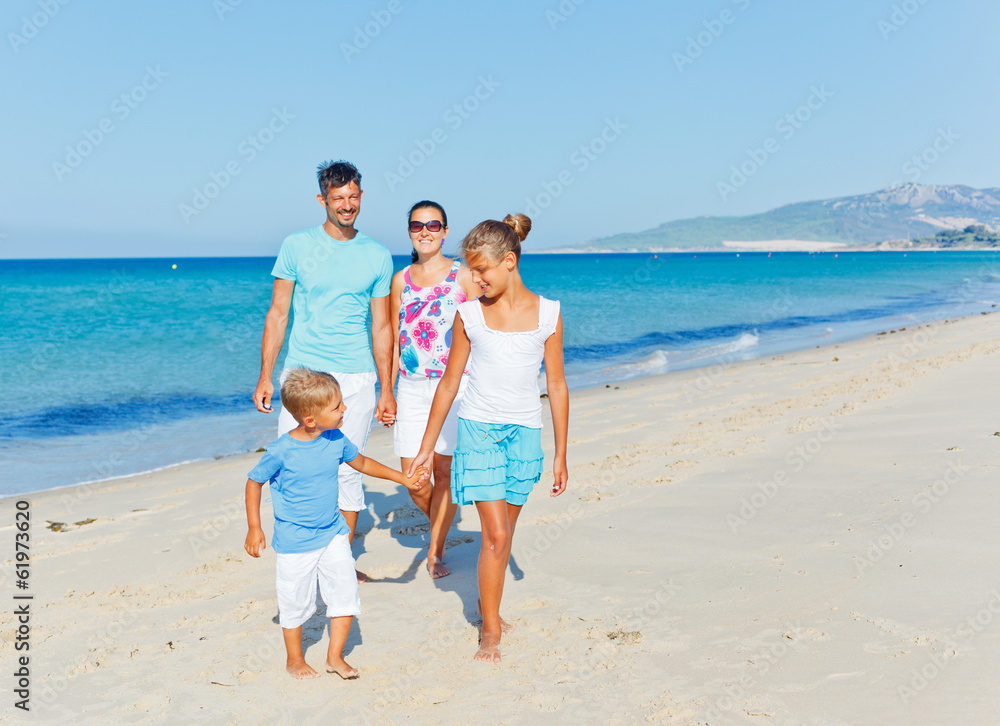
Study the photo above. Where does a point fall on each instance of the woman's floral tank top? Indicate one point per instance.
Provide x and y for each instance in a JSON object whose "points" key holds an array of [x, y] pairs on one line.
{"points": [[426, 315]]}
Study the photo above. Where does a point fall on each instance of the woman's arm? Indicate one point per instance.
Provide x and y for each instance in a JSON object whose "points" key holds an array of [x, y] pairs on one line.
{"points": [[447, 389], [555, 385], [464, 279], [395, 300]]}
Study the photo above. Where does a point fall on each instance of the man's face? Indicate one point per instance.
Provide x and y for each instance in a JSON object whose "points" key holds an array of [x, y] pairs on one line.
{"points": [[342, 204]]}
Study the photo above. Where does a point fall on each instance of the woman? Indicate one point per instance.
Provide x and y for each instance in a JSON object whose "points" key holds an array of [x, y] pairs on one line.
{"points": [[424, 297]]}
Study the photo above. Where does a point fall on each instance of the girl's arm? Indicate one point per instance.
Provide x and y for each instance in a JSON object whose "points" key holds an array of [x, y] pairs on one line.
{"points": [[373, 468], [555, 385], [255, 542], [395, 300], [464, 279], [447, 389]]}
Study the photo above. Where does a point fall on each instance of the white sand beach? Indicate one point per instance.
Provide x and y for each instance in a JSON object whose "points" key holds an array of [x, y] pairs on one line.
{"points": [[810, 538]]}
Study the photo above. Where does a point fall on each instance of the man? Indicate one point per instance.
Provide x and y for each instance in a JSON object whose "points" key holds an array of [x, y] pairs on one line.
{"points": [[334, 278]]}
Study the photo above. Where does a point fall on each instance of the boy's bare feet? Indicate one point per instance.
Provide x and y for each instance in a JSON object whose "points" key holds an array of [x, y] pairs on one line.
{"points": [[342, 669], [505, 627], [362, 577], [300, 669], [435, 566], [489, 648]]}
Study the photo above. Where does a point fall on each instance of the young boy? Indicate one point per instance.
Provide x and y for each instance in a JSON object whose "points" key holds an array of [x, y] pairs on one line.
{"points": [[311, 538]]}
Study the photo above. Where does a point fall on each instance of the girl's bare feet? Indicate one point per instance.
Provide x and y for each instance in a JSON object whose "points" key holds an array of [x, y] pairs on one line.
{"points": [[342, 669], [300, 669]]}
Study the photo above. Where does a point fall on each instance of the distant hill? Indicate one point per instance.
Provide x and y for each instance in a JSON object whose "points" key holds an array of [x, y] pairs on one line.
{"points": [[901, 212], [973, 237]]}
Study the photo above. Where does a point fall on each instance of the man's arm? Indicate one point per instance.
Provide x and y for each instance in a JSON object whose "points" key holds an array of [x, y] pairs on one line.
{"points": [[274, 336], [382, 350]]}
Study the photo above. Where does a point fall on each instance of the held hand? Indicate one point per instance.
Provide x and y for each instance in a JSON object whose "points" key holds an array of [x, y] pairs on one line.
{"points": [[255, 543], [385, 411], [417, 479], [560, 475], [423, 460], [262, 396]]}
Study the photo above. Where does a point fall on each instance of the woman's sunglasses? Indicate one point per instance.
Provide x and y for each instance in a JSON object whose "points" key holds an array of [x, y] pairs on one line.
{"points": [[433, 226]]}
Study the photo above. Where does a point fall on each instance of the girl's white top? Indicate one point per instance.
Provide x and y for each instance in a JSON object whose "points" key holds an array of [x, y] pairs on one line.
{"points": [[504, 367]]}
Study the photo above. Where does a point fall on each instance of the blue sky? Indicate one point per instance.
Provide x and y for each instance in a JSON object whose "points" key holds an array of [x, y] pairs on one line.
{"points": [[596, 117]]}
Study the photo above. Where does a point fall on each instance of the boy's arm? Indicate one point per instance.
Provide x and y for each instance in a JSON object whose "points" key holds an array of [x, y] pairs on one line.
{"points": [[255, 542], [555, 386], [373, 468]]}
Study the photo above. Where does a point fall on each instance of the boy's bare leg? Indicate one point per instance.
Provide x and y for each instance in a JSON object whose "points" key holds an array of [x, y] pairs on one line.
{"points": [[493, 556], [335, 663], [352, 521], [296, 663]]}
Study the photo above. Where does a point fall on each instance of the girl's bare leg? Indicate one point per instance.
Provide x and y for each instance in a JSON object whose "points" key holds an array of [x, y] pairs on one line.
{"points": [[494, 554], [335, 663]]}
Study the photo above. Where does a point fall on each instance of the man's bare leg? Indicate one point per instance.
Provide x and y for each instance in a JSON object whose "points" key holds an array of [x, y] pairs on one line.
{"points": [[296, 662], [335, 663], [352, 521], [493, 556]]}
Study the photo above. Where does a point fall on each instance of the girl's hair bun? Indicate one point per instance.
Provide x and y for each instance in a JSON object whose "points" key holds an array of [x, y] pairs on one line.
{"points": [[520, 223]]}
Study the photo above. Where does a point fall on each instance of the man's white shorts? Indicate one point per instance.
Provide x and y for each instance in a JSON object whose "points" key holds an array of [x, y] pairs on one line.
{"points": [[297, 574], [358, 390], [413, 407]]}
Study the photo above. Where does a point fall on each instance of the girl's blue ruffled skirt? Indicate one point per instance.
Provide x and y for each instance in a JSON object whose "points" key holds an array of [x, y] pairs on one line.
{"points": [[495, 461]]}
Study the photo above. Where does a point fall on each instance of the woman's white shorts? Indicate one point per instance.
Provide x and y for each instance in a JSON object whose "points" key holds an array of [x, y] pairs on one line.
{"points": [[413, 407], [298, 572]]}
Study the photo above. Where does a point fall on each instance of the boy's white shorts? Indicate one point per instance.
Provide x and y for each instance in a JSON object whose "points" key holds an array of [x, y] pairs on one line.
{"points": [[297, 574], [358, 390], [413, 407]]}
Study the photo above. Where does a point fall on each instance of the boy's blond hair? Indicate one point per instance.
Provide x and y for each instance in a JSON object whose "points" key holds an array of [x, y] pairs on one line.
{"points": [[305, 392]]}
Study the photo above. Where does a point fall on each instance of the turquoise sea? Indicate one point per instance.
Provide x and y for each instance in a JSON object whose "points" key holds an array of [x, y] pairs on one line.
{"points": [[113, 367]]}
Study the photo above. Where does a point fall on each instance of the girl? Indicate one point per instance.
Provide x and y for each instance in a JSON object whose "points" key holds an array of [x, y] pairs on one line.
{"points": [[498, 459], [423, 300]]}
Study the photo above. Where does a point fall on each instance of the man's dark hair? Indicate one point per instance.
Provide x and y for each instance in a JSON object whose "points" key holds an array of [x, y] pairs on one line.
{"points": [[333, 174]]}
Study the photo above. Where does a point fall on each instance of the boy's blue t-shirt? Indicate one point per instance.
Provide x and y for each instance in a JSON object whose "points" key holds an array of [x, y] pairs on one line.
{"points": [[334, 284], [304, 490]]}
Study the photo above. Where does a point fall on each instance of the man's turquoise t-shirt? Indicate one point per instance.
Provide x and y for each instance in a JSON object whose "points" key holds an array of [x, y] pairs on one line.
{"points": [[304, 489], [334, 284]]}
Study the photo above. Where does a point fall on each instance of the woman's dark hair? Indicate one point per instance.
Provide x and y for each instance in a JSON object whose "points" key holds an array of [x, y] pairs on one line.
{"points": [[425, 204]]}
